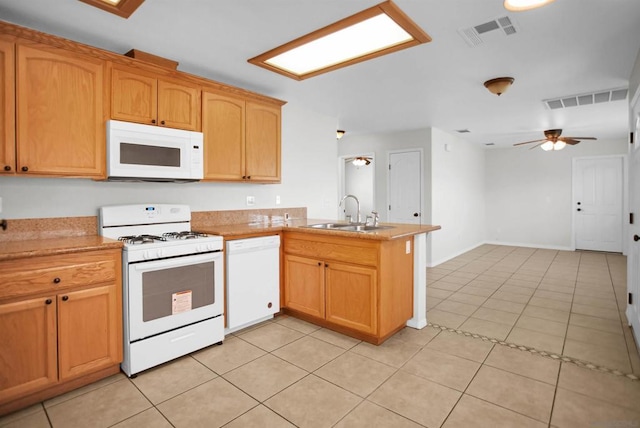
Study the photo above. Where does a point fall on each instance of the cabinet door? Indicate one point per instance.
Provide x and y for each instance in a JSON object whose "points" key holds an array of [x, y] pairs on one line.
{"points": [[223, 126], [351, 296], [89, 331], [60, 124], [7, 108], [28, 352], [134, 97], [263, 142], [304, 285], [178, 106]]}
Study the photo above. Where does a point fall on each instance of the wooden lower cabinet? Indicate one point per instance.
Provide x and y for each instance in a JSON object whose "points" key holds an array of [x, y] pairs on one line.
{"points": [[28, 355], [359, 287], [351, 296], [66, 333]]}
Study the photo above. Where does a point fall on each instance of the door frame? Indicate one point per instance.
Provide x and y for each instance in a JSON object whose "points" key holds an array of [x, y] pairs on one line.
{"points": [[423, 219], [625, 198], [341, 178]]}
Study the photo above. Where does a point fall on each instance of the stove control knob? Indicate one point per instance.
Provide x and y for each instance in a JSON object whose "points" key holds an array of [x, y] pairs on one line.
{"points": [[146, 255], [211, 246], [160, 253]]}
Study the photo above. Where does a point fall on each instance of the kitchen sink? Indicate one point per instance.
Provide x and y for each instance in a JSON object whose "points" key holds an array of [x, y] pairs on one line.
{"points": [[348, 227], [328, 225]]}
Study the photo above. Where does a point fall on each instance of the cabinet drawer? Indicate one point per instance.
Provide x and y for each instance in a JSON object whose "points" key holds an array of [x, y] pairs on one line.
{"points": [[325, 249], [52, 273]]}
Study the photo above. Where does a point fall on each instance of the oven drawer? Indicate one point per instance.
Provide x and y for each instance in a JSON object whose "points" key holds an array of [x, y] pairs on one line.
{"points": [[53, 273]]}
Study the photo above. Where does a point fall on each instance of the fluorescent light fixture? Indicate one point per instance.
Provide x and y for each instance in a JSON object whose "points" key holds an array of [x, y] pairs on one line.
{"points": [[368, 34], [122, 8], [521, 5]]}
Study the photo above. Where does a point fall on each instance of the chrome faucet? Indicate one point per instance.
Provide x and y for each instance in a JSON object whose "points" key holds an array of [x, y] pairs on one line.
{"points": [[357, 203]]}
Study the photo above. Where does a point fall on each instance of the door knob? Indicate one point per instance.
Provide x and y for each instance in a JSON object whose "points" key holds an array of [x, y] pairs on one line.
{"points": [[416, 214], [579, 209], [579, 203], [636, 238]]}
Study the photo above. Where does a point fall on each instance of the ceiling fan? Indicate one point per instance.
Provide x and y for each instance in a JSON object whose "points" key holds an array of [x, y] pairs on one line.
{"points": [[359, 160], [553, 141]]}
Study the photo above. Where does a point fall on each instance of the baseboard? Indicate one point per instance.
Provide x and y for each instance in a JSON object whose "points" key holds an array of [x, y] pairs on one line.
{"points": [[528, 245], [438, 262], [508, 244]]}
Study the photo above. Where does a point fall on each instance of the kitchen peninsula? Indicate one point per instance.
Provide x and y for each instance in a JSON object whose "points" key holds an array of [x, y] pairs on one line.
{"points": [[367, 285]]}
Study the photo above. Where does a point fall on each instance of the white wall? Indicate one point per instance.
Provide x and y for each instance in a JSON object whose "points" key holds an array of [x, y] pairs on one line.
{"points": [[309, 179], [458, 196], [528, 193]]}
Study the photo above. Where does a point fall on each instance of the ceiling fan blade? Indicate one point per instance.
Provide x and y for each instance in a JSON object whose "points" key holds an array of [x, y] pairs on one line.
{"points": [[569, 140], [529, 142], [538, 145], [581, 138]]}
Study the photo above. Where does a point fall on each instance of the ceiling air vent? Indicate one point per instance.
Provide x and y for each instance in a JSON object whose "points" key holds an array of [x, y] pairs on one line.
{"points": [[496, 28], [587, 99], [462, 131]]}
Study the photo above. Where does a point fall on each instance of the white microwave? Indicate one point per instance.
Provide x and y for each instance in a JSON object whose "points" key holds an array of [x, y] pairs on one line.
{"points": [[137, 152]]}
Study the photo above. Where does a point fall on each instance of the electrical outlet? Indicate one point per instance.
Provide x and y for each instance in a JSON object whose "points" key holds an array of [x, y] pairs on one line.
{"points": [[286, 216], [251, 200], [278, 200], [408, 247]]}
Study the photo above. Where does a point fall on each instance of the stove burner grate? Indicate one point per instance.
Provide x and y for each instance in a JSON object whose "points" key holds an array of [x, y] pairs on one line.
{"points": [[141, 239], [184, 235]]}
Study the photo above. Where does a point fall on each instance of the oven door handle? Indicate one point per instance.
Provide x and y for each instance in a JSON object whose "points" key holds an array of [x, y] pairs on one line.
{"points": [[177, 261]]}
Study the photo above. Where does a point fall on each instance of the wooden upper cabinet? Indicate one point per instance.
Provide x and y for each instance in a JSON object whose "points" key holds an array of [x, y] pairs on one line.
{"points": [[7, 108], [223, 126], [242, 139], [60, 121], [263, 142], [28, 355], [178, 106], [143, 98], [134, 97]]}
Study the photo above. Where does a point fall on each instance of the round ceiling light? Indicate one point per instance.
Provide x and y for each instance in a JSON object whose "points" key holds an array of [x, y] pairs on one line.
{"points": [[521, 5], [498, 85]]}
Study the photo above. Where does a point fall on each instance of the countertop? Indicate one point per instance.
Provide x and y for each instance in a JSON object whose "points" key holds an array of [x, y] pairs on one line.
{"points": [[397, 230], [46, 247]]}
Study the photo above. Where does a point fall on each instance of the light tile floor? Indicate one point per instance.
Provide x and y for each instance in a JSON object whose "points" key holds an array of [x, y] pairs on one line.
{"points": [[286, 373]]}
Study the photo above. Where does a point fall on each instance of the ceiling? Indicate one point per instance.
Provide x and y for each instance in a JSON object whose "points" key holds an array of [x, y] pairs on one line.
{"points": [[570, 47]]}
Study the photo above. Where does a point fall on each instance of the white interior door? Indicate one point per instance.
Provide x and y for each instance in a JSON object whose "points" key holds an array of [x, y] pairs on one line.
{"points": [[633, 253], [405, 187], [598, 187]]}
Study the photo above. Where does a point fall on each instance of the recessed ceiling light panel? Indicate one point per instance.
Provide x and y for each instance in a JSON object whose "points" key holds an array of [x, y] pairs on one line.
{"points": [[368, 34], [521, 5]]}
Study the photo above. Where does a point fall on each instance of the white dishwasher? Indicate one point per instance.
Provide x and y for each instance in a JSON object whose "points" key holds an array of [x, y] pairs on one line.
{"points": [[253, 281]]}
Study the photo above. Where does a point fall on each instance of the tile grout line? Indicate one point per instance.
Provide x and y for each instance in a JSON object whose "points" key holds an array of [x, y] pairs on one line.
{"points": [[534, 351]]}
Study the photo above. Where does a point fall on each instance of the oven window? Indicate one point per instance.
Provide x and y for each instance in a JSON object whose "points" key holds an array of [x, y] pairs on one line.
{"points": [[139, 154], [159, 288]]}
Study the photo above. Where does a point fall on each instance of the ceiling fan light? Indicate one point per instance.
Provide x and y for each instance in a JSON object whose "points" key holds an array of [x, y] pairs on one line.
{"points": [[548, 145], [359, 162], [559, 145], [339, 133], [499, 85], [521, 5]]}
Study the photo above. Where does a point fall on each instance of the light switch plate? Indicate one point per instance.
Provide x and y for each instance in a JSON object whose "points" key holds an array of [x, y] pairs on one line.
{"points": [[408, 247], [278, 200], [251, 200]]}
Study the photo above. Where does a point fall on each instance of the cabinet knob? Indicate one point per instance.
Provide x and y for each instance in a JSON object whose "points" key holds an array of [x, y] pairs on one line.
{"points": [[319, 264], [162, 122], [636, 238], [244, 177], [7, 167], [153, 121], [25, 168], [56, 280], [48, 301], [248, 177], [65, 298], [269, 305], [326, 265]]}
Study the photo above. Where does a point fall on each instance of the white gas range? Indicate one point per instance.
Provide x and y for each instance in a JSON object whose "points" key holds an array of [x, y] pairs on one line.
{"points": [[172, 283]]}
